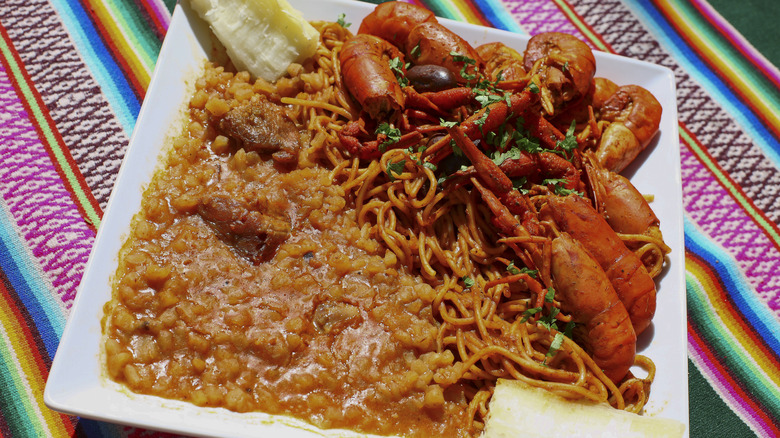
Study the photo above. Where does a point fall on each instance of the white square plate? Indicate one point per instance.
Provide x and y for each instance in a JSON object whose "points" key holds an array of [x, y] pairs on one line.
{"points": [[77, 384]]}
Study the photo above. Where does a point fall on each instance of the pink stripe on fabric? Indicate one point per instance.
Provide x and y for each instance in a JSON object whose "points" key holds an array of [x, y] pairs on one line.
{"points": [[161, 12], [736, 38], [537, 16], [711, 207], [40, 204], [723, 387]]}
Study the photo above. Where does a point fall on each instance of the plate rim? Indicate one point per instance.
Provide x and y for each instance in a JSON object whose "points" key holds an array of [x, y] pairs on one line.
{"points": [[59, 398]]}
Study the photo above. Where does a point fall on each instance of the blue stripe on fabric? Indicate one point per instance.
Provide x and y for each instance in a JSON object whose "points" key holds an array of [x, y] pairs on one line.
{"points": [[46, 311], [756, 313], [498, 16], [694, 65], [100, 62]]}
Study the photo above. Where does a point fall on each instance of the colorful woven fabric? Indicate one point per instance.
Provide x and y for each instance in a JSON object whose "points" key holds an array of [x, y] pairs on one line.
{"points": [[73, 74]]}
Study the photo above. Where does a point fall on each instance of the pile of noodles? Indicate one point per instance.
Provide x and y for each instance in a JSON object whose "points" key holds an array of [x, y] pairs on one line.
{"points": [[446, 236]]}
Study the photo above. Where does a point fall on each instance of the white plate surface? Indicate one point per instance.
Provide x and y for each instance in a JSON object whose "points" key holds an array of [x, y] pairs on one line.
{"points": [[77, 384]]}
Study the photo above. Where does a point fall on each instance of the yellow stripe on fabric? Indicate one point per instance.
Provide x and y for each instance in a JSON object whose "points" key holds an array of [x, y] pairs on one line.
{"points": [[737, 195], [731, 332], [467, 14], [129, 35], [49, 137], [724, 65], [29, 383], [126, 51]]}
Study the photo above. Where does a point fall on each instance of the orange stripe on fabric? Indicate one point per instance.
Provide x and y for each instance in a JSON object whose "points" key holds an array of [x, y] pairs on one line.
{"points": [[123, 53], [29, 360], [50, 137], [474, 15]]}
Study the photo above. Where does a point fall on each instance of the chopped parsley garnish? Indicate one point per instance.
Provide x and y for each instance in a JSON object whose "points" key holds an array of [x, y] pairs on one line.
{"points": [[447, 124], [548, 321], [514, 270], [341, 21], [395, 168], [415, 53], [533, 87], [528, 313], [550, 296], [398, 69], [455, 149], [457, 57], [558, 187], [468, 281], [569, 143], [393, 135], [512, 154], [555, 345]]}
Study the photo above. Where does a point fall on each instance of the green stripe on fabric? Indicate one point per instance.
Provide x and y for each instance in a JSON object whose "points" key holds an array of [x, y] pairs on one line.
{"points": [[22, 420], [128, 17], [709, 414], [720, 340], [743, 201], [92, 215]]}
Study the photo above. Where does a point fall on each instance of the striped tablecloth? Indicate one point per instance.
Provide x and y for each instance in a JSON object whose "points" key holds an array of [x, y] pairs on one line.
{"points": [[73, 74]]}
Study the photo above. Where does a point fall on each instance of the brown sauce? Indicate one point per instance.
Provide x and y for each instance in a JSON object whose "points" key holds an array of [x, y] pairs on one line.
{"points": [[246, 283]]}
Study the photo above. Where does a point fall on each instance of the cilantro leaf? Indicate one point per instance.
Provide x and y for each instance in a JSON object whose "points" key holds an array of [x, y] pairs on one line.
{"points": [[569, 143], [457, 57], [455, 149], [528, 313], [514, 270], [558, 187], [341, 22], [555, 345], [415, 53], [512, 154], [447, 124], [393, 135], [550, 295], [398, 69], [397, 168]]}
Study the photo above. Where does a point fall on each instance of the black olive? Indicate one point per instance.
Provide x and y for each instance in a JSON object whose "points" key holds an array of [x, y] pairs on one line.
{"points": [[430, 78]]}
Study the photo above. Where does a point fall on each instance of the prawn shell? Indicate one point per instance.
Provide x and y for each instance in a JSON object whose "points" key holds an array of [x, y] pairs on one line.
{"points": [[625, 271], [393, 21], [566, 50], [432, 43], [637, 109], [500, 58], [367, 74], [617, 148], [626, 210], [586, 293]]}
